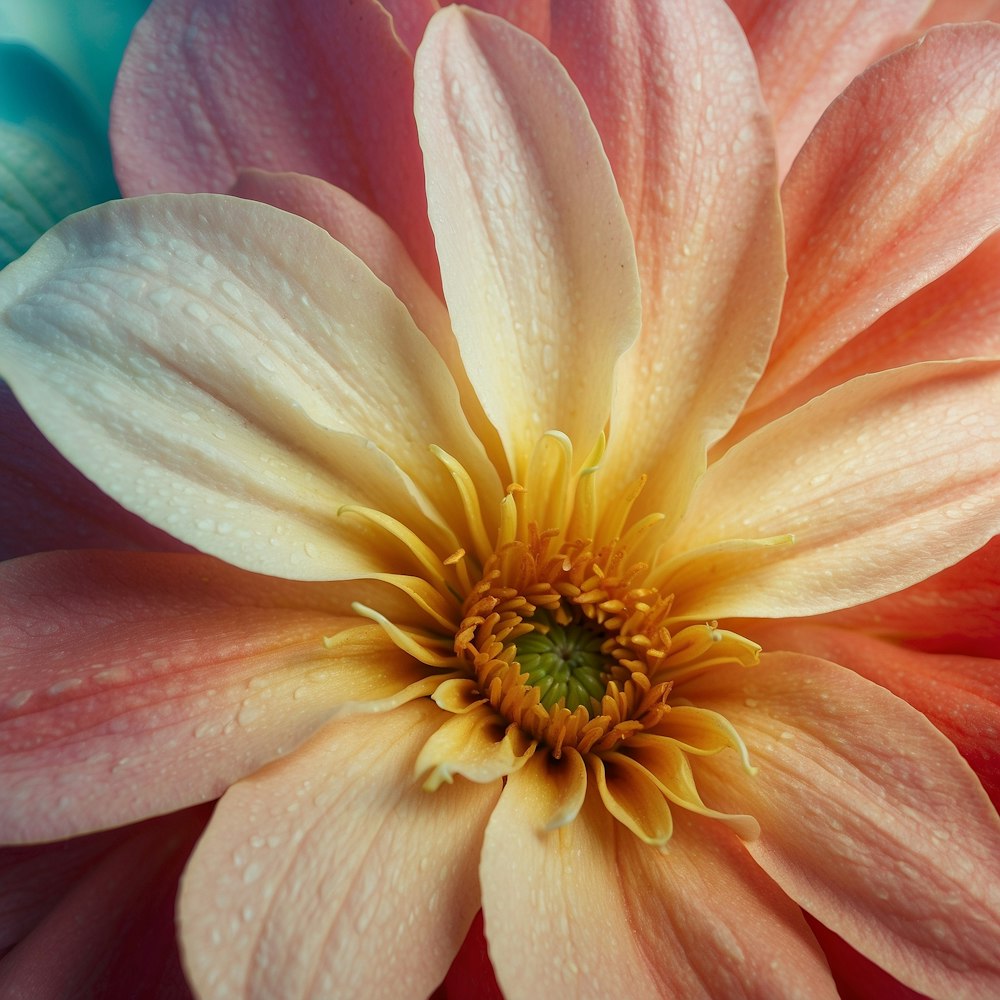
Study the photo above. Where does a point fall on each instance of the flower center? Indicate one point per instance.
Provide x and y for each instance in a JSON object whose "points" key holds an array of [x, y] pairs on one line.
{"points": [[566, 663], [565, 645]]}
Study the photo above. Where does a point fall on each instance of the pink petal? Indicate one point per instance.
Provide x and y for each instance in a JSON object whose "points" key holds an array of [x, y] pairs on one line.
{"points": [[591, 910], [137, 684], [536, 254], [897, 184], [870, 819], [332, 873], [46, 504], [810, 50], [409, 19], [235, 376], [954, 11], [955, 316], [954, 611], [114, 929], [321, 87], [881, 482], [532, 16], [959, 694], [676, 101]]}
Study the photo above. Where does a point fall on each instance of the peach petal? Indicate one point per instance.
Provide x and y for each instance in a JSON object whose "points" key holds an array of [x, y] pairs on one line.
{"points": [[194, 357], [959, 694], [537, 258], [137, 684], [210, 86], [807, 52], [955, 316], [630, 795], [114, 927], [679, 111], [309, 867], [880, 483], [478, 745], [895, 186], [45, 503], [698, 921], [870, 819]]}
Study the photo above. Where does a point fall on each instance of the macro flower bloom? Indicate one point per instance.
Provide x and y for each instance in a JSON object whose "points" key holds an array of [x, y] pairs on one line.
{"points": [[528, 603]]}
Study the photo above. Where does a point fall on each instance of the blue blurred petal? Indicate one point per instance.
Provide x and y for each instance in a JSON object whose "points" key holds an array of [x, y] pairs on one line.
{"points": [[54, 157], [85, 39]]}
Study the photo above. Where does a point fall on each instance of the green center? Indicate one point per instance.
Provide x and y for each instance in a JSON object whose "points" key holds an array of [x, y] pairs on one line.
{"points": [[563, 661]]}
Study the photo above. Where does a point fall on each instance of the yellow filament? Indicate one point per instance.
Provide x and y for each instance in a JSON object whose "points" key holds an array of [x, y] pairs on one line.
{"points": [[470, 502]]}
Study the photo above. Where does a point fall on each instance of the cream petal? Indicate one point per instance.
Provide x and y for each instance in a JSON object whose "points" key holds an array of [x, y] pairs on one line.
{"points": [[676, 101], [593, 911], [870, 819], [896, 185], [135, 684], [537, 259], [312, 867], [881, 482], [233, 375]]}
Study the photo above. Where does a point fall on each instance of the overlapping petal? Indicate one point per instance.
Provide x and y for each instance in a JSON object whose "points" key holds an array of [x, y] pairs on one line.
{"points": [[870, 819], [700, 920], [896, 185], [327, 855], [113, 926], [807, 52], [959, 694], [880, 483], [47, 504], [673, 92], [313, 86], [231, 391], [956, 610], [537, 258], [135, 684]]}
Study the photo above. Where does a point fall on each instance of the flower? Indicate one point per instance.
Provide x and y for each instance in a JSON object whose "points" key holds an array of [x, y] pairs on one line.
{"points": [[507, 616], [57, 66]]}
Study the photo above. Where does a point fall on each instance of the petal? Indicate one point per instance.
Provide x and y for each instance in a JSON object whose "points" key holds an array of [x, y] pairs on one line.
{"points": [[84, 40], [897, 184], [537, 259], [593, 911], [954, 611], [959, 694], [321, 87], [478, 745], [233, 375], [114, 928], [309, 868], [676, 101], [136, 684], [881, 482], [46, 504], [870, 819], [955, 316], [366, 235], [532, 16], [952, 11], [53, 157], [409, 19], [809, 51]]}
